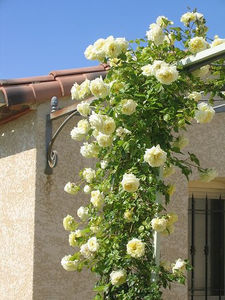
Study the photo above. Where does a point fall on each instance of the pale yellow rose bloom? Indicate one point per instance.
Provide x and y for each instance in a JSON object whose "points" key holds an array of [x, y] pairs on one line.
{"points": [[204, 113], [155, 156], [159, 224], [197, 44], [97, 199], [118, 277], [136, 248], [167, 74], [93, 244], [130, 183], [68, 264], [128, 106], [179, 266]]}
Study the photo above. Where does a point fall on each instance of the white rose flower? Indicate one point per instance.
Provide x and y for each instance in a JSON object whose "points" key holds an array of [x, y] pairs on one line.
{"points": [[155, 34], [77, 134], [97, 199], [83, 124], [181, 142], [188, 17], [104, 140], [82, 213], [203, 72], [108, 125], [99, 88], [84, 90], [75, 91], [179, 266], [159, 224], [168, 170], [99, 50], [167, 74], [90, 53], [84, 109], [89, 174], [87, 189], [122, 132], [196, 96], [217, 41], [205, 113], [72, 239], [95, 133], [94, 229], [96, 121], [71, 188], [118, 277], [123, 44], [208, 175], [147, 70], [84, 250], [162, 20], [68, 264], [157, 65], [112, 48], [69, 223], [197, 44], [89, 150], [135, 248], [128, 215], [198, 15], [130, 183], [93, 244], [128, 106], [104, 164], [155, 156]]}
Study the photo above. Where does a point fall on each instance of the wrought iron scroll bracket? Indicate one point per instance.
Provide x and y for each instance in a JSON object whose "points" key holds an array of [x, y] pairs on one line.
{"points": [[51, 155]]}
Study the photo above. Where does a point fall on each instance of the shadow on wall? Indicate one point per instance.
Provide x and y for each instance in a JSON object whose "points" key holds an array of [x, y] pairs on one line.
{"points": [[18, 135]]}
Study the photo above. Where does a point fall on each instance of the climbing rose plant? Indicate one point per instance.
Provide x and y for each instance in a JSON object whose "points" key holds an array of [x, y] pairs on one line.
{"points": [[135, 129]]}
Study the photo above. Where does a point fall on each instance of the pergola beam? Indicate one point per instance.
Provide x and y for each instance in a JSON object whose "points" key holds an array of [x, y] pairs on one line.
{"points": [[203, 58]]}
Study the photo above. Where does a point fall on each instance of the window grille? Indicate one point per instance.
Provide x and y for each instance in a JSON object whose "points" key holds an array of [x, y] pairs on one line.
{"points": [[207, 251]]}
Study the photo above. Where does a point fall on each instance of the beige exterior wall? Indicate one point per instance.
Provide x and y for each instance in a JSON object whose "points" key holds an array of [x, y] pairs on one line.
{"points": [[33, 205], [17, 202], [207, 141], [51, 281]]}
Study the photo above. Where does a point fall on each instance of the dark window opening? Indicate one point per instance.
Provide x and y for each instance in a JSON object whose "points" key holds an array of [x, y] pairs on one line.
{"points": [[207, 252]]}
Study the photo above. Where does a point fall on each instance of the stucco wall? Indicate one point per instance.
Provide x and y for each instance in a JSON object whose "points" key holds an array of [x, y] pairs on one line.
{"points": [[207, 141], [51, 281], [17, 199], [33, 205]]}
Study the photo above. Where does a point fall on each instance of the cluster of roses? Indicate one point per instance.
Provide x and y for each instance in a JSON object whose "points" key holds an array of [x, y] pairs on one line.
{"points": [[158, 36], [106, 48], [103, 131]]}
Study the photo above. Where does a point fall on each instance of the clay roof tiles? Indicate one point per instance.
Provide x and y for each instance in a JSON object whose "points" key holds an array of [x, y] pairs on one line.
{"points": [[16, 95]]}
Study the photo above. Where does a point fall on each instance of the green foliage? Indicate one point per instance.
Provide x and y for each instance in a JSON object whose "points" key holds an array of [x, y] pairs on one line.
{"points": [[163, 113]]}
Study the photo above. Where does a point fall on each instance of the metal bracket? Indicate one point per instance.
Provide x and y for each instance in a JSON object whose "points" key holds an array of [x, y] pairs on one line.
{"points": [[51, 155]]}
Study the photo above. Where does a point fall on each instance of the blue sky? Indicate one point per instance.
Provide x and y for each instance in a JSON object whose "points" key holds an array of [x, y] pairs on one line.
{"points": [[44, 35]]}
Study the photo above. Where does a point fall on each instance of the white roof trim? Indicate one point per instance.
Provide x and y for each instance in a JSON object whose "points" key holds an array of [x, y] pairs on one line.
{"points": [[203, 58]]}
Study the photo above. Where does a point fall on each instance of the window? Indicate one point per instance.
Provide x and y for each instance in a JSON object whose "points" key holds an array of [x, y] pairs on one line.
{"points": [[206, 244]]}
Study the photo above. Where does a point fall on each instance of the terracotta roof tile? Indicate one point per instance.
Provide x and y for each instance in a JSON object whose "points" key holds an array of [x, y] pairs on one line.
{"points": [[36, 79], [32, 90]]}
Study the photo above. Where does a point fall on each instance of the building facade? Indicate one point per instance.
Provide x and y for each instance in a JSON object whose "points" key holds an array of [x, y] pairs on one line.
{"points": [[33, 203]]}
